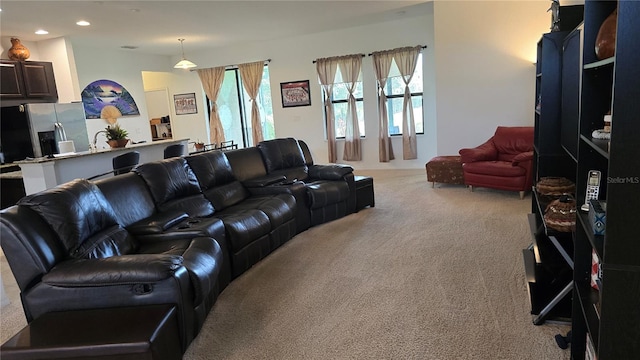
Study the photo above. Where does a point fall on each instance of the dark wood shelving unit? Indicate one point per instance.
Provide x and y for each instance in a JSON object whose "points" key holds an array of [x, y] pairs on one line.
{"points": [[548, 260], [609, 318], [605, 314]]}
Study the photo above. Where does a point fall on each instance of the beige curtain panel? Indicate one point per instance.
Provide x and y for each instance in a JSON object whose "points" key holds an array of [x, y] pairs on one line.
{"points": [[406, 59], [212, 82], [251, 74], [327, 68], [350, 70], [382, 61]]}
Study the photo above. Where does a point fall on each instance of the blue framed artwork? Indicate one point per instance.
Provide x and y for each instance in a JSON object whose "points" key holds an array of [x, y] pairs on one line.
{"points": [[101, 93]]}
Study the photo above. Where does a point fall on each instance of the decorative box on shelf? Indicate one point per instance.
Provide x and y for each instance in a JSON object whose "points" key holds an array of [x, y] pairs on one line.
{"points": [[598, 216]]}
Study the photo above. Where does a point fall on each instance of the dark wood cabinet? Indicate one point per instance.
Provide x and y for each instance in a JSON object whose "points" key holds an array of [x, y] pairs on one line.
{"points": [[28, 81]]}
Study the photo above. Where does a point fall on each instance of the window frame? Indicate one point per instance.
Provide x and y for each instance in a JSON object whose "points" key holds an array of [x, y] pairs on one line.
{"points": [[244, 118], [333, 102], [396, 96], [400, 96]]}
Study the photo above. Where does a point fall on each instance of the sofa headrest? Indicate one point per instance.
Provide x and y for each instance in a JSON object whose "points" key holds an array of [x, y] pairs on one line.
{"points": [[171, 181], [246, 163], [80, 215], [279, 154], [211, 169], [129, 197], [513, 139]]}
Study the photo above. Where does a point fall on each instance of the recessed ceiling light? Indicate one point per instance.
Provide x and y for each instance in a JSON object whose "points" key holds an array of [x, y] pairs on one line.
{"points": [[83, 23], [42, 32]]}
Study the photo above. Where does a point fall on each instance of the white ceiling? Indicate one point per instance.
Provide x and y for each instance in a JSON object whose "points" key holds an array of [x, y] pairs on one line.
{"points": [[154, 27]]}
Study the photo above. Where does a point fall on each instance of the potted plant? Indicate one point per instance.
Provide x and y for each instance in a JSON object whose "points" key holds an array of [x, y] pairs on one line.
{"points": [[116, 136]]}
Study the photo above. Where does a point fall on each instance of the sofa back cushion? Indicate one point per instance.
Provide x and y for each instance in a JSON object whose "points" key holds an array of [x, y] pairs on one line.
{"points": [[82, 218], [513, 140], [129, 197], [280, 154], [284, 157], [216, 179], [174, 186], [246, 163]]}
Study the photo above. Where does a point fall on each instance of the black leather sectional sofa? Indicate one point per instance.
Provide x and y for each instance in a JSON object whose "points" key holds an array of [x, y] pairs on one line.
{"points": [[174, 231]]}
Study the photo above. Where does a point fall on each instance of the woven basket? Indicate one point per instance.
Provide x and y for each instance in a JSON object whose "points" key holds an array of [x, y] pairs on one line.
{"points": [[555, 186], [560, 214]]}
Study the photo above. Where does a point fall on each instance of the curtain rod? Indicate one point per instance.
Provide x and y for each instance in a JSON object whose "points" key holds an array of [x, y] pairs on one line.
{"points": [[230, 67], [363, 55], [423, 47]]}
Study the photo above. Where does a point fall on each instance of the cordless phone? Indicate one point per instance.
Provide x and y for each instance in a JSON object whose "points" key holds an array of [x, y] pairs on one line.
{"points": [[593, 188]]}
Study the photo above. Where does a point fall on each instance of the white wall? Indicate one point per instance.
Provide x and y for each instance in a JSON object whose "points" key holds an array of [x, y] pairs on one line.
{"points": [[484, 55], [292, 59], [189, 126], [124, 67], [478, 74]]}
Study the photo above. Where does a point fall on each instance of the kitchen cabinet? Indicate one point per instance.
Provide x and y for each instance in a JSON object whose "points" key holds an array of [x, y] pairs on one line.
{"points": [[27, 82]]}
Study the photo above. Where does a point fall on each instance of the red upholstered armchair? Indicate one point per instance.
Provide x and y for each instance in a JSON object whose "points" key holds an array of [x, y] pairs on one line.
{"points": [[503, 162]]}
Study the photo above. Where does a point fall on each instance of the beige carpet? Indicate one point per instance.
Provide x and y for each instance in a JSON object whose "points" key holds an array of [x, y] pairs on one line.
{"points": [[426, 274]]}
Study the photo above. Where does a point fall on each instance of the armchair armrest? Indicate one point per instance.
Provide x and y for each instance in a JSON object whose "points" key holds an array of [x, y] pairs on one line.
{"points": [[484, 152], [115, 270], [157, 223], [264, 181], [329, 172], [522, 157]]}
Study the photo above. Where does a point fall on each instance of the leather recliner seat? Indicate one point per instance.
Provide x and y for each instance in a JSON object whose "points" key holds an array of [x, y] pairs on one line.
{"points": [[68, 251], [172, 231], [255, 225], [330, 188], [135, 210]]}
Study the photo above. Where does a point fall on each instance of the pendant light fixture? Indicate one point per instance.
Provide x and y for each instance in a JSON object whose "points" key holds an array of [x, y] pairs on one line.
{"points": [[184, 63]]}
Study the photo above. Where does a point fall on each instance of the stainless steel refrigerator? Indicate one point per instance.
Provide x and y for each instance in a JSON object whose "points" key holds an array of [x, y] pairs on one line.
{"points": [[51, 123]]}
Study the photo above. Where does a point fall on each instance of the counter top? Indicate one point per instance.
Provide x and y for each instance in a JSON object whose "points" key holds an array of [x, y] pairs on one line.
{"points": [[45, 173], [58, 157], [11, 175]]}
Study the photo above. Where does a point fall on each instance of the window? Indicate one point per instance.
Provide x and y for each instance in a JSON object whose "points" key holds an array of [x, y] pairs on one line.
{"points": [[395, 96], [234, 108], [339, 102]]}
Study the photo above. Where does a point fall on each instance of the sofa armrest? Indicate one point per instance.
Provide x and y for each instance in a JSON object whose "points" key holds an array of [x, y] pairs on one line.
{"points": [[264, 181], [157, 223], [329, 172], [522, 157], [115, 270], [484, 152]]}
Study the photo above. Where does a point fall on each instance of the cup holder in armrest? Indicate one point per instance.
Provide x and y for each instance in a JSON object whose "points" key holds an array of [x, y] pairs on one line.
{"points": [[187, 224]]}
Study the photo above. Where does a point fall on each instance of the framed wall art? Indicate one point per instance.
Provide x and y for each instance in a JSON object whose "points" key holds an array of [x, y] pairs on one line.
{"points": [[295, 93], [101, 93], [185, 103]]}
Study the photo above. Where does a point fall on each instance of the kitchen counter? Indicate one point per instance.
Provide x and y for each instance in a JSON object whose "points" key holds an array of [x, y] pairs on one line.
{"points": [[44, 173], [11, 175]]}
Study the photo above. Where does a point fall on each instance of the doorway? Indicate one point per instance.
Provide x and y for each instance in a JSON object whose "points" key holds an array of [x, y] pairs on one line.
{"points": [[159, 114]]}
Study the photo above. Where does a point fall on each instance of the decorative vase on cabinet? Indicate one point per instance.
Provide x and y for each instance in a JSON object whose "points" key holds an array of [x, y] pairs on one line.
{"points": [[18, 52]]}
